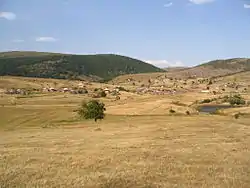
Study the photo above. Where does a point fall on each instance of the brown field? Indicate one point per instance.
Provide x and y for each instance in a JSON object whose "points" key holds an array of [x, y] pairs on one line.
{"points": [[139, 143]]}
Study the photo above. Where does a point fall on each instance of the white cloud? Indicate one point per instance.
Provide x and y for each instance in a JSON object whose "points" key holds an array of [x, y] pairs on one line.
{"points": [[168, 4], [8, 15], [198, 2], [17, 40], [246, 5], [165, 63], [46, 39]]}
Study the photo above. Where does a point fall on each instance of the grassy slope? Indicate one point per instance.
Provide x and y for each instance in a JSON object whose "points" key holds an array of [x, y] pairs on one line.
{"points": [[48, 65], [220, 67]]}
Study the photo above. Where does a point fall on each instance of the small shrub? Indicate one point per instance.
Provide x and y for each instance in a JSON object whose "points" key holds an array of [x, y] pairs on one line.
{"points": [[92, 110], [102, 94], [82, 91], [237, 116], [188, 113], [99, 94], [217, 112], [206, 101], [210, 82], [171, 111], [121, 89], [178, 103], [225, 98], [248, 103]]}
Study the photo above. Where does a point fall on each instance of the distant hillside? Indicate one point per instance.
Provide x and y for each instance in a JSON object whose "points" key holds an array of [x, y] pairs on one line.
{"points": [[215, 68], [211, 69], [67, 66], [174, 69]]}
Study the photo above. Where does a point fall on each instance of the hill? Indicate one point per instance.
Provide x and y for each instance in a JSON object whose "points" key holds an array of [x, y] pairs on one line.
{"points": [[69, 66], [214, 68], [174, 69]]}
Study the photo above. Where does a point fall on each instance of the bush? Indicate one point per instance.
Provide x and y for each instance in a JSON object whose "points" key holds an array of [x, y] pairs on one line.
{"points": [[206, 101], [99, 94], [121, 88], [82, 91], [102, 94], [236, 100], [188, 113], [171, 111], [92, 110], [210, 82], [237, 116]]}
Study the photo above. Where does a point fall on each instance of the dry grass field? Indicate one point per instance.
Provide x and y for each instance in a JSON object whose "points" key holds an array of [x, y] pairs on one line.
{"points": [[138, 145]]}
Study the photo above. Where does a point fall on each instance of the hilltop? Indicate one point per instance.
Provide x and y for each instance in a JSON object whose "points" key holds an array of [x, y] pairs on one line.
{"points": [[69, 66]]}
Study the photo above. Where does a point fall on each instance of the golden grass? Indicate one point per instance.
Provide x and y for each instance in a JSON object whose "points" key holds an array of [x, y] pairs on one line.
{"points": [[142, 151], [138, 144]]}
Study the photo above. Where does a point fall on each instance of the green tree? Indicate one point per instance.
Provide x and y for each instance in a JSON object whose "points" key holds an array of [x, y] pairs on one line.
{"points": [[92, 109], [236, 100]]}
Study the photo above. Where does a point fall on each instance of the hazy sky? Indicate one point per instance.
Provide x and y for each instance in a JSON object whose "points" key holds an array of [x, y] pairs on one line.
{"points": [[162, 32]]}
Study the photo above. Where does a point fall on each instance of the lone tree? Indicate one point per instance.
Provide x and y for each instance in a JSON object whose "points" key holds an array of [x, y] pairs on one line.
{"points": [[92, 109]]}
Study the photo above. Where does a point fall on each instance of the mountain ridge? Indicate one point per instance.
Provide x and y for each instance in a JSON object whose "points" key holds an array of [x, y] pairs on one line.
{"points": [[70, 66]]}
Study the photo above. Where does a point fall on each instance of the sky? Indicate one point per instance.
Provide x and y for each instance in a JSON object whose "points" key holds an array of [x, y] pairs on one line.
{"points": [[161, 32]]}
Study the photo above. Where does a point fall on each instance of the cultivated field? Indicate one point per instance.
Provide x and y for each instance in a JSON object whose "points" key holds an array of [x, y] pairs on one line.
{"points": [[139, 144]]}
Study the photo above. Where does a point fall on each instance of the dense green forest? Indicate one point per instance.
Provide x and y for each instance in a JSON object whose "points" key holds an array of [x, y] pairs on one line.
{"points": [[64, 66]]}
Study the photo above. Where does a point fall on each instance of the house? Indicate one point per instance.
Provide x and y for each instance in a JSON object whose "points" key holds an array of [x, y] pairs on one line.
{"points": [[106, 90], [205, 91], [81, 85], [65, 89]]}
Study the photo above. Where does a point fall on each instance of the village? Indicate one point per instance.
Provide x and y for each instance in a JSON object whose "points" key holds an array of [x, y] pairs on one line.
{"points": [[159, 86]]}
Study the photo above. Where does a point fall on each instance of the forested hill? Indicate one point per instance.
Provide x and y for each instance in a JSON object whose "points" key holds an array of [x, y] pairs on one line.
{"points": [[70, 66]]}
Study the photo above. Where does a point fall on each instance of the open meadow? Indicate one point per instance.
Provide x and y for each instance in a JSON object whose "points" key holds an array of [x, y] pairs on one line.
{"points": [[139, 143]]}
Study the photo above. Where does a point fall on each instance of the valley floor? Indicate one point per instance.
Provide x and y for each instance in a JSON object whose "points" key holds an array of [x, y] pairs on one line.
{"points": [[138, 145]]}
